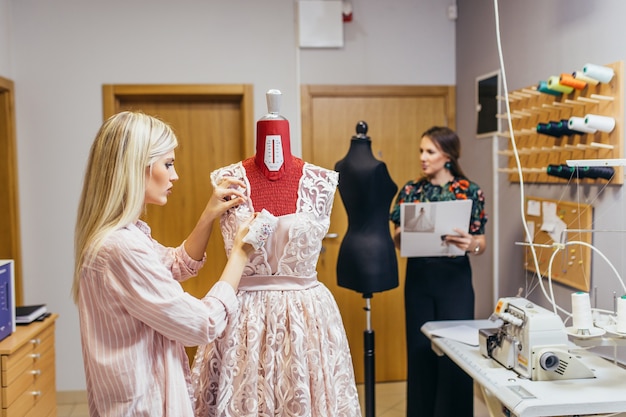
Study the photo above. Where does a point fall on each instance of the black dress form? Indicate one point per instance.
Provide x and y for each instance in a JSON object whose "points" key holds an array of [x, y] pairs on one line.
{"points": [[367, 260]]}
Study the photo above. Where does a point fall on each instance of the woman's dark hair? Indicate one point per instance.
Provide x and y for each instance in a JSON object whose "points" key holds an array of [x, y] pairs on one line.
{"points": [[448, 141]]}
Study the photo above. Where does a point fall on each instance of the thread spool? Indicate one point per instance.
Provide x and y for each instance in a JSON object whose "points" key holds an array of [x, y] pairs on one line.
{"points": [[543, 128], [554, 84], [595, 172], [581, 312], [578, 124], [543, 88], [556, 128], [599, 72], [579, 75], [561, 171], [564, 126], [570, 81], [620, 327], [567, 172], [601, 123]]}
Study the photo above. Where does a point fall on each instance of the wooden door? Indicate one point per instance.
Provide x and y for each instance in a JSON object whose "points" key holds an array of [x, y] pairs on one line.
{"points": [[213, 124], [396, 117]]}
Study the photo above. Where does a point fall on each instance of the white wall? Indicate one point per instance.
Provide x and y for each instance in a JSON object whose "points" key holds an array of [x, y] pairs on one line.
{"points": [[389, 42], [62, 52], [541, 38], [5, 36]]}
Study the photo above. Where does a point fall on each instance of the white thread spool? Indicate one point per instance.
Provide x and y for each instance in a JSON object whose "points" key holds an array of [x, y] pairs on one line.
{"points": [[598, 72], [578, 124], [582, 77], [601, 123], [620, 327], [581, 312]]}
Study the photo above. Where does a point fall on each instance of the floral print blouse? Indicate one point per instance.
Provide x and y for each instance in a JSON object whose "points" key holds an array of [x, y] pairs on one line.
{"points": [[459, 188]]}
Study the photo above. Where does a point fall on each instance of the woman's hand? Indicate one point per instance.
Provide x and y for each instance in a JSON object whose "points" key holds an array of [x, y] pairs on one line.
{"points": [[242, 231], [238, 255], [227, 194], [474, 244]]}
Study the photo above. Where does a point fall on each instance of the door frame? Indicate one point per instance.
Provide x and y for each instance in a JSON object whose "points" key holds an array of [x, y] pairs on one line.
{"points": [[9, 208]]}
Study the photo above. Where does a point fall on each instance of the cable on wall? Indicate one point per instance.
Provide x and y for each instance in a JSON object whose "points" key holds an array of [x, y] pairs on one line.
{"points": [[557, 247]]}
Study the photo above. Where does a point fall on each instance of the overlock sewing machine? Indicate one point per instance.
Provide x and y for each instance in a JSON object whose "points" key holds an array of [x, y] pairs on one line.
{"points": [[532, 341]]}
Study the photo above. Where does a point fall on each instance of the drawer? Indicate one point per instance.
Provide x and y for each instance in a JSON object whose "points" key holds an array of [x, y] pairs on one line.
{"points": [[43, 339], [36, 400], [27, 356], [29, 379], [47, 404]]}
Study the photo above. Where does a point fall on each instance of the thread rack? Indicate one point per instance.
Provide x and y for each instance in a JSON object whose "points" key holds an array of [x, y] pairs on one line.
{"points": [[529, 107]]}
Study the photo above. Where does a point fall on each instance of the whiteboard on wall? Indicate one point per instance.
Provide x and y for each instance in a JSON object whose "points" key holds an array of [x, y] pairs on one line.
{"points": [[320, 24]]}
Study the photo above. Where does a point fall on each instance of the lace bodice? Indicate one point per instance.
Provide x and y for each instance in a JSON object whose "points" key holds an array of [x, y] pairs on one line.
{"points": [[294, 248]]}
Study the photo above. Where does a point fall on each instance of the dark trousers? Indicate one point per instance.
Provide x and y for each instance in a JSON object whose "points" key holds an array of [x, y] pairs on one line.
{"points": [[436, 289]]}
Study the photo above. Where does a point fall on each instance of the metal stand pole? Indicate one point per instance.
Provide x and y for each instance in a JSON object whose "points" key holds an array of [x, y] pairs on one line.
{"points": [[370, 376]]}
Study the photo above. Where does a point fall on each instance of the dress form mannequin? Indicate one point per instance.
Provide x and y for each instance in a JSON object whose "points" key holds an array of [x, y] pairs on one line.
{"points": [[367, 260], [274, 173], [286, 352]]}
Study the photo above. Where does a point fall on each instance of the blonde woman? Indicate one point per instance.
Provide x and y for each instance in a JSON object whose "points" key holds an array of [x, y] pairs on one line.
{"points": [[135, 318]]}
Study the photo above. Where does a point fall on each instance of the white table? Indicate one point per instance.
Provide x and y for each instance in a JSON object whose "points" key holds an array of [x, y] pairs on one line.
{"points": [[506, 394]]}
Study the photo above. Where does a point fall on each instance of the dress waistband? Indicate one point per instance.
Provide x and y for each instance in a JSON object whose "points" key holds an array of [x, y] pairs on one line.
{"points": [[277, 283]]}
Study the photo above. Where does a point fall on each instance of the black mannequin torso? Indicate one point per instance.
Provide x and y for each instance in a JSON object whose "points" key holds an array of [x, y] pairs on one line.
{"points": [[367, 260]]}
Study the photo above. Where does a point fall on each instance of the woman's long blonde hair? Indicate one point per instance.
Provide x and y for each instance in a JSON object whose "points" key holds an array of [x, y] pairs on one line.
{"points": [[115, 180]]}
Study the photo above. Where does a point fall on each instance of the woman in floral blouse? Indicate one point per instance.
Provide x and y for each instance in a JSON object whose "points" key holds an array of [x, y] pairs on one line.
{"points": [[439, 288]]}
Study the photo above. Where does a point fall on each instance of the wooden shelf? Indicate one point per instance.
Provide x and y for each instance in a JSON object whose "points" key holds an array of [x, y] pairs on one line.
{"points": [[529, 107]]}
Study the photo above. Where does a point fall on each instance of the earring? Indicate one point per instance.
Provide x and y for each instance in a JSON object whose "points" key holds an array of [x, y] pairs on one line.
{"points": [[447, 165]]}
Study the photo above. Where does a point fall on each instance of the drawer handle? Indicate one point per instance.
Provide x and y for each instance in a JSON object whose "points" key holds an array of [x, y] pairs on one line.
{"points": [[35, 341], [35, 393], [35, 372], [35, 355]]}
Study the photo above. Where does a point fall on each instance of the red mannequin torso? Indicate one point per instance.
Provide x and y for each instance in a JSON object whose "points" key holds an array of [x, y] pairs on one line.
{"points": [[274, 173], [276, 196]]}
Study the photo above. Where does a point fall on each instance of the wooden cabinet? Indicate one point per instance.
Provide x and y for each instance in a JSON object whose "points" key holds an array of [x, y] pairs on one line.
{"points": [[28, 371]]}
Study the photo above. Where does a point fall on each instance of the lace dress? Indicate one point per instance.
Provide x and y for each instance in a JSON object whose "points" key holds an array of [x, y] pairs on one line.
{"points": [[287, 353]]}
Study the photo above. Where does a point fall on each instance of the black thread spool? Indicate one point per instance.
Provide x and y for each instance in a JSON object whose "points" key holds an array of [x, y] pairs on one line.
{"points": [[556, 129], [561, 171], [567, 172], [596, 172], [566, 129]]}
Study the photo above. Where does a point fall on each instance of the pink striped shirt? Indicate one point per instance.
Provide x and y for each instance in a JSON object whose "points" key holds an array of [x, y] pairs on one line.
{"points": [[135, 320]]}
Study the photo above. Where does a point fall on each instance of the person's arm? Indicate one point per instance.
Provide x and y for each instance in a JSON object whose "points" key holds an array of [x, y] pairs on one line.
{"points": [[225, 196], [140, 280], [394, 217], [473, 244], [481, 241], [397, 235], [238, 256]]}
